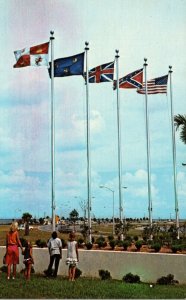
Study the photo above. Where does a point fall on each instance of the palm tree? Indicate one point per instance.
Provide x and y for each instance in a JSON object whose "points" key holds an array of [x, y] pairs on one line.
{"points": [[74, 216], [26, 217], [180, 122]]}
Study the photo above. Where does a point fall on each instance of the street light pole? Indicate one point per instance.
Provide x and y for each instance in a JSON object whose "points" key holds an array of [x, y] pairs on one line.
{"points": [[113, 221], [124, 187]]}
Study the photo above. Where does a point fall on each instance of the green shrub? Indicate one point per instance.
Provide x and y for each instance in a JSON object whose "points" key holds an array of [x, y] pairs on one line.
{"points": [[41, 243], [130, 278], [126, 244], [80, 242], [105, 275], [176, 248], [100, 239], [145, 238], [138, 244], [184, 246], [78, 273], [3, 269], [112, 244], [110, 238], [119, 243], [102, 244], [88, 246], [128, 238], [169, 279], [150, 242], [156, 247]]}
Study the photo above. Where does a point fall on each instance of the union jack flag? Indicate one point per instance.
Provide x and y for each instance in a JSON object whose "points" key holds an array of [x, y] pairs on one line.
{"points": [[155, 86], [102, 73], [131, 81]]}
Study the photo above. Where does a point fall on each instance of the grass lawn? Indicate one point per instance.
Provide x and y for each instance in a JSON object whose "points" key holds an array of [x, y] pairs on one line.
{"points": [[84, 288], [36, 234]]}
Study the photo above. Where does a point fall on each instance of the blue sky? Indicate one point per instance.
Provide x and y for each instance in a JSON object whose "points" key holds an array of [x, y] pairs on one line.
{"points": [[139, 28]]}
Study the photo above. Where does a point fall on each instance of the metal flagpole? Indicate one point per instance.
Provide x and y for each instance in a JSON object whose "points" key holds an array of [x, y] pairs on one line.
{"points": [[174, 156], [52, 133], [148, 149], [119, 144], [88, 146]]}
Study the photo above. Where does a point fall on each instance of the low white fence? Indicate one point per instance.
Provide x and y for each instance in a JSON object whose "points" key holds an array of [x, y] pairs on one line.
{"points": [[149, 266]]}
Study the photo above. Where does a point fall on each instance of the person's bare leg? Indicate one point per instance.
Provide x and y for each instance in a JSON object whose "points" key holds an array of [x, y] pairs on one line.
{"points": [[73, 273], [14, 271], [29, 271], [25, 272], [8, 271]]}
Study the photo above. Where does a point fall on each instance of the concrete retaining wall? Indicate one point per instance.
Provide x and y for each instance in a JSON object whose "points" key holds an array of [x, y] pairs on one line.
{"points": [[149, 266]]}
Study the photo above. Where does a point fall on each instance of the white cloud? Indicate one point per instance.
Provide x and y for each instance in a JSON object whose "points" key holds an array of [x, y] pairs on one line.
{"points": [[17, 178], [25, 100]]}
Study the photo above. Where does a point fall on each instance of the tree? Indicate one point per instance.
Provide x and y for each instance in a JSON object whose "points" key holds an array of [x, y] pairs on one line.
{"points": [[26, 218], [41, 221], [74, 216], [180, 122]]}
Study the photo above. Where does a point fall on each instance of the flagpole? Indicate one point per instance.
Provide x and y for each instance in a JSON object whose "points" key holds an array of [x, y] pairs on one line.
{"points": [[52, 133], [119, 143], [88, 147], [148, 150], [174, 156]]}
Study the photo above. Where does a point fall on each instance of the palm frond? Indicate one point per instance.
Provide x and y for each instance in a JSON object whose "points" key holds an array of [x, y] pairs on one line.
{"points": [[183, 134], [180, 120]]}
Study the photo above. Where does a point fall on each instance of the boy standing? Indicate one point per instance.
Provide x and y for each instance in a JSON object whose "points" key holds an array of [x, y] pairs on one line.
{"points": [[55, 250]]}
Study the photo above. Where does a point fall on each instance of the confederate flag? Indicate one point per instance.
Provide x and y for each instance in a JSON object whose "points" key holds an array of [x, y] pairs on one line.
{"points": [[131, 81]]}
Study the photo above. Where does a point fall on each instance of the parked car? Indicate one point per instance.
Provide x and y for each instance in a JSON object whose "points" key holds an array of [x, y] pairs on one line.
{"points": [[64, 228], [22, 227]]}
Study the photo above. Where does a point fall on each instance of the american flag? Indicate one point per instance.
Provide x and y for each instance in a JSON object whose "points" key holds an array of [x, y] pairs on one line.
{"points": [[155, 86], [131, 81], [102, 73]]}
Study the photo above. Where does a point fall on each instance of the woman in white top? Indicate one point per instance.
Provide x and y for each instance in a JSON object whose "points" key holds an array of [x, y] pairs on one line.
{"points": [[72, 256]]}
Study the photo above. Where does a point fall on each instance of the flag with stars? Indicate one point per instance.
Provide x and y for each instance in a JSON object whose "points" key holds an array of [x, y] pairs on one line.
{"points": [[133, 80], [34, 56], [68, 66], [155, 86], [103, 73]]}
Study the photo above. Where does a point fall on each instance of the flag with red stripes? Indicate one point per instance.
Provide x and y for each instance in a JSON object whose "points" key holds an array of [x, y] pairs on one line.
{"points": [[155, 86]]}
